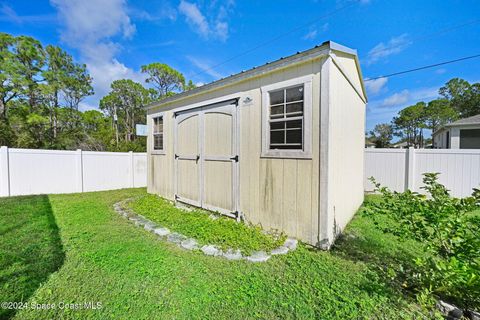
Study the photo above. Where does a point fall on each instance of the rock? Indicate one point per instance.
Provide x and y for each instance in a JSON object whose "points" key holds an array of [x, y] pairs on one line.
{"points": [[150, 226], [161, 232], [258, 256], [279, 250], [449, 310], [141, 222], [472, 315], [189, 244], [230, 254], [211, 250], [176, 237], [291, 243]]}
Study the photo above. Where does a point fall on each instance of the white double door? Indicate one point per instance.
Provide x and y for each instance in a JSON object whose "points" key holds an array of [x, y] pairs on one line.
{"points": [[206, 157]]}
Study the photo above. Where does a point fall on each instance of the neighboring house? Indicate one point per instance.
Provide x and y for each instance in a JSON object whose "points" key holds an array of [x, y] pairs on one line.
{"points": [[461, 134], [400, 145], [279, 145]]}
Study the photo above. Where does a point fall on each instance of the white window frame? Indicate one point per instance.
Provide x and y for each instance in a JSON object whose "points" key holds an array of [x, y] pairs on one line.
{"points": [[307, 119], [152, 123]]}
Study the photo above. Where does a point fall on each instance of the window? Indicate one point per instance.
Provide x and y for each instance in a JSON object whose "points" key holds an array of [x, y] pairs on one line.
{"points": [[286, 114], [286, 118], [158, 133]]}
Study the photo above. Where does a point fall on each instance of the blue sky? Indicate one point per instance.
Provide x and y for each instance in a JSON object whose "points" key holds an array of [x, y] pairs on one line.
{"points": [[115, 37]]}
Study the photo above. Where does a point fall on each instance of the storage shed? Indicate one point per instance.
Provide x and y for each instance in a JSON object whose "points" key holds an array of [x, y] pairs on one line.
{"points": [[279, 145]]}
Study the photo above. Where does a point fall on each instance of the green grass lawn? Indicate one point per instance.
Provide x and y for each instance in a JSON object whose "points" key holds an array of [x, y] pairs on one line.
{"points": [[223, 232], [97, 256]]}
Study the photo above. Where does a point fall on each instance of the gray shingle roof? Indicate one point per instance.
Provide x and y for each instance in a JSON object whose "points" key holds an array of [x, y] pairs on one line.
{"points": [[470, 120]]}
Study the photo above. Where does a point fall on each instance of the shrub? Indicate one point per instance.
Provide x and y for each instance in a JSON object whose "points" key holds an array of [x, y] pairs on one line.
{"points": [[449, 231]]}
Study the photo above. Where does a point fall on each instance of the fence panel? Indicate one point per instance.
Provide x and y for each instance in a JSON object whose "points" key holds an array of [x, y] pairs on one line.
{"points": [[387, 166], [459, 169], [28, 171]]}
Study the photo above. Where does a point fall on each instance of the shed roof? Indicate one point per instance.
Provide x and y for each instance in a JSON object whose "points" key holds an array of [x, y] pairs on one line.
{"points": [[306, 55]]}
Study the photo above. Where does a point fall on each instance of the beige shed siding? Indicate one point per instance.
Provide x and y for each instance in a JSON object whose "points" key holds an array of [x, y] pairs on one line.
{"points": [[160, 175], [276, 193], [346, 148]]}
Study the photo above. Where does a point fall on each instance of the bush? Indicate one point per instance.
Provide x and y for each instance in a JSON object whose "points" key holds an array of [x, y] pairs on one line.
{"points": [[449, 231]]}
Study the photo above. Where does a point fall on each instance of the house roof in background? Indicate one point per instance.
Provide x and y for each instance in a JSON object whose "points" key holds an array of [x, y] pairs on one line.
{"points": [[465, 121], [267, 67], [474, 120]]}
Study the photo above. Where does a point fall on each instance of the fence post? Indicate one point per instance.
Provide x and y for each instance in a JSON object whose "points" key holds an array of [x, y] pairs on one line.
{"points": [[132, 169], [411, 168], [4, 173], [79, 157]]}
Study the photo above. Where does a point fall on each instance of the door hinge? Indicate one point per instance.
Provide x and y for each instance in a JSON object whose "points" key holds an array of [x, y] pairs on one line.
{"points": [[176, 197], [234, 158], [176, 156]]}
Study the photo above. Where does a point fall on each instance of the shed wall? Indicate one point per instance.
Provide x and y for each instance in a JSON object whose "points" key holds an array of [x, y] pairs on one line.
{"points": [[346, 149], [276, 193]]}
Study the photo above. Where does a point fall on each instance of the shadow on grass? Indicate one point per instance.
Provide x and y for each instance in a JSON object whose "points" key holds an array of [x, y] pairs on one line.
{"points": [[30, 247], [384, 253]]}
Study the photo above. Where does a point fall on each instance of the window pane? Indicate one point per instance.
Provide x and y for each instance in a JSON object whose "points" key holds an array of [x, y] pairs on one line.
{"points": [[294, 124], [158, 142], [277, 97], [295, 107], [294, 136], [277, 137], [276, 111], [277, 125], [295, 93], [158, 125]]}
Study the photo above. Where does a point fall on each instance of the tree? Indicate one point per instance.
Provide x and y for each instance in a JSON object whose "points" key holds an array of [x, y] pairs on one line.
{"points": [[9, 84], [438, 113], [381, 135], [190, 85], [463, 96], [164, 78], [66, 84], [124, 104], [409, 124], [31, 59]]}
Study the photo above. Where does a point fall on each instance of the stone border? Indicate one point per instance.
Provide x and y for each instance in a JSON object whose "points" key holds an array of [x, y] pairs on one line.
{"points": [[186, 243]]}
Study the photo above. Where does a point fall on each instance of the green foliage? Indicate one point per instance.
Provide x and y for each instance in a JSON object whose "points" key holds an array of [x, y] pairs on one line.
{"points": [[449, 234], [134, 275], [438, 113], [164, 78], [410, 123], [382, 135], [463, 96], [224, 232], [30, 247]]}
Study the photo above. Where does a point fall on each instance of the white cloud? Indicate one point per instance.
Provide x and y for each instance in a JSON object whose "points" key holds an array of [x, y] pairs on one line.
{"points": [[89, 25], [405, 97], [312, 34], [205, 67], [217, 28], [383, 50], [375, 86], [7, 13], [194, 17], [396, 99]]}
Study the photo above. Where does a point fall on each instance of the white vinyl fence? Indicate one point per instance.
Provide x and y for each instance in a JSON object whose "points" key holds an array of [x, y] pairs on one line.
{"points": [[401, 169], [26, 171]]}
